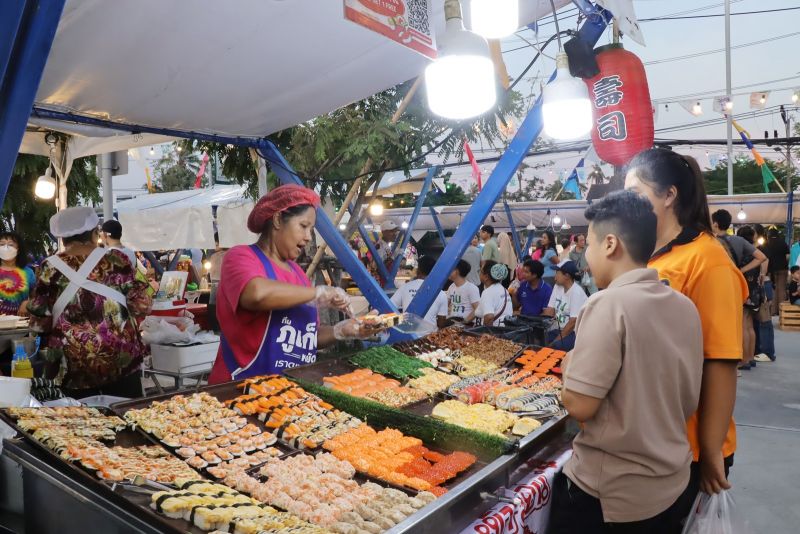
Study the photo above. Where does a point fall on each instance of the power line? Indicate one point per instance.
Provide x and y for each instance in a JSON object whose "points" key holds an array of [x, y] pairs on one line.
{"points": [[718, 91], [656, 19], [718, 50]]}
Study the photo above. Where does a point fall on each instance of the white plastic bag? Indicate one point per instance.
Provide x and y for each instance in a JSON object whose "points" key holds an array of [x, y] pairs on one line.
{"points": [[716, 514], [165, 330]]}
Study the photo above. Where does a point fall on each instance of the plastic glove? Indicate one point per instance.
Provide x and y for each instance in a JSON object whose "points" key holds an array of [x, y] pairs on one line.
{"points": [[354, 329], [331, 297]]}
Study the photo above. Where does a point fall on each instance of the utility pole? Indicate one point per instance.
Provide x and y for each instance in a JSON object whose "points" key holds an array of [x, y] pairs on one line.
{"points": [[108, 192], [728, 93]]}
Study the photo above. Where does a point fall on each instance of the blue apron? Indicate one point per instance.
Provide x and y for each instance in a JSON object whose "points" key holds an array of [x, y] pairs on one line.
{"points": [[290, 338]]}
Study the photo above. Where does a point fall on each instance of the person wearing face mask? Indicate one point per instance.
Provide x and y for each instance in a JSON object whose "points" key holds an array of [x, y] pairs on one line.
{"points": [[16, 278], [267, 307], [87, 301]]}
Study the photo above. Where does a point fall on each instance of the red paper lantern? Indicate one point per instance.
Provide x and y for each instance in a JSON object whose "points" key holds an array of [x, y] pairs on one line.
{"points": [[621, 107]]}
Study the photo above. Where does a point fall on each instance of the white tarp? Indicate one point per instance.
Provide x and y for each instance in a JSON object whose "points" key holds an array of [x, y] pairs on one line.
{"points": [[232, 224], [168, 228], [181, 219], [767, 208], [241, 67]]}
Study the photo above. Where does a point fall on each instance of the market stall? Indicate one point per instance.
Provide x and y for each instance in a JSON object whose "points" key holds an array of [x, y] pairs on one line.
{"points": [[423, 437]]}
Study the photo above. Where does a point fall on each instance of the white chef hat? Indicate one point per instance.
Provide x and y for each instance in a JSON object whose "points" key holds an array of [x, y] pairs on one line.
{"points": [[73, 221]]}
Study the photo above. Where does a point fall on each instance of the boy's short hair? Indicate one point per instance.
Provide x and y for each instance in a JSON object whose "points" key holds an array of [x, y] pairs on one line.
{"points": [[535, 267], [722, 218], [794, 269], [425, 265], [463, 268], [629, 216], [488, 228]]}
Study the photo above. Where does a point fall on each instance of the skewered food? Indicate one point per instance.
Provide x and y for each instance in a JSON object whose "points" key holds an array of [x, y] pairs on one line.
{"points": [[481, 417], [402, 460], [365, 383]]}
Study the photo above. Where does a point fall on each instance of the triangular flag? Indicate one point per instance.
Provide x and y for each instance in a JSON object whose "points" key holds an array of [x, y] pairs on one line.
{"points": [[720, 104], [476, 171], [591, 154], [692, 106], [767, 177], [440, 183], [625, 16], [758, 100]]}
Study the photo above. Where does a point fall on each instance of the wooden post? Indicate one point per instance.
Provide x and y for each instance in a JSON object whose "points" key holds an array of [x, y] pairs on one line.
{"points": [[357, 183]]}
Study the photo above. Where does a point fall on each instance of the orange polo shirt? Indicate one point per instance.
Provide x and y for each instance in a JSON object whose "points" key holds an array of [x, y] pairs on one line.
{"points": [[697, 265]]}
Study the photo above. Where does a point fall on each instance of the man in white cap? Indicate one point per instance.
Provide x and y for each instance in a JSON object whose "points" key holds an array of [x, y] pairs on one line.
{"points": [[86, 299], [389, 233]]}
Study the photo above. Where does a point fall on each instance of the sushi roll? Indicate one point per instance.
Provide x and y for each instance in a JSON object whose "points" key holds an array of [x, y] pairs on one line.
{"points": [[186, 452], [224, 454], [197, 462], [211, 457]]}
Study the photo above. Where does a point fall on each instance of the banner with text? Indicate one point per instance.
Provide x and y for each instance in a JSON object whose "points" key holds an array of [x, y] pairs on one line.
{"points": [[408, 22]]}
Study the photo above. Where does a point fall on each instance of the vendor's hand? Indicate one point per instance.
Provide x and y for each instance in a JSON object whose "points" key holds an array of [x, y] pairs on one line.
{"points": [[712, 474], [355, 329], [331, 297]]}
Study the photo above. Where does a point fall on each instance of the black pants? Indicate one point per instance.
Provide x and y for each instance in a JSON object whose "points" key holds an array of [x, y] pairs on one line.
{"points": [[576, 512], [128, 386]]}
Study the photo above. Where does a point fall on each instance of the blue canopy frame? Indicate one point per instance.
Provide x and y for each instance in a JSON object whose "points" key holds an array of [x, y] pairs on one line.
{"points": [[27, 30]]}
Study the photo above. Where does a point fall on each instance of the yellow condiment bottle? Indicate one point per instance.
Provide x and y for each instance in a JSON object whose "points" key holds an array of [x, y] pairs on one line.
{"points": [[21, 366]]}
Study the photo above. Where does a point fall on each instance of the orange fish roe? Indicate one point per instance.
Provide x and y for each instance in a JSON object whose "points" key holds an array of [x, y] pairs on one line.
{"points": [[402, 460]]}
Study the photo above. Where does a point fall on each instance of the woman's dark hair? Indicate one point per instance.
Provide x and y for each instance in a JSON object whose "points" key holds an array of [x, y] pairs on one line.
{"points": [[22, 253], [289, 213], [747, 233], [551, 239], [85, 237], [759, 230], [661, 169]]}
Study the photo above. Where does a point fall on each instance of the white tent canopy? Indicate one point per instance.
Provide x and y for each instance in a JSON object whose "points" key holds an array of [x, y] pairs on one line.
{"points": [[237, 68], [769, 208], [185, 219]]}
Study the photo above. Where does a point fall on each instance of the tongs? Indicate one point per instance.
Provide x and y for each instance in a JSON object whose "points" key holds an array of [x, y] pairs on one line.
{"points": [[140, 484]]}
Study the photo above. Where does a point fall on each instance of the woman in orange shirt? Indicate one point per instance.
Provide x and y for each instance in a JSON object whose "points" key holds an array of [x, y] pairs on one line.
{"points": [[692, 261]]}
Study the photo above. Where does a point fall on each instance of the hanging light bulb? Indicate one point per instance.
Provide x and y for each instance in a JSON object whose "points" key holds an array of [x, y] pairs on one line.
{"points": [[556, 219], [531, 227], [494, 19], [566, 109], [697, 109], [342, 227], [763, 99], [796, 96], [404, 225], [180, 148], [207, 265], [566, 226], [45, 188], [152, 151], [461, 81], [741, 215], [760, 241], [729, 105], [376, 208]]}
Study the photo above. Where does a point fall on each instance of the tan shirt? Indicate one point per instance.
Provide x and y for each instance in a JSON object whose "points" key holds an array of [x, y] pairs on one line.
{"points": [[639, 347]]}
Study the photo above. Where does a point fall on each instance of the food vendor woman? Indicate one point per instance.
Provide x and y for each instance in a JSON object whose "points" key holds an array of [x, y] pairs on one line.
{"points": [[266, 306]]}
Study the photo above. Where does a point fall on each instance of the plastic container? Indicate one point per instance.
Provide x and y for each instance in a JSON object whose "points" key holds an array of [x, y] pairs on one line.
{"points": [[184, 359], [168, 308], [9, 321], [14, 391]]}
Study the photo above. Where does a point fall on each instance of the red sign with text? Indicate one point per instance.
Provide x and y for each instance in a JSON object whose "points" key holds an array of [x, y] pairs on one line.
{"points": [[408, 22]]}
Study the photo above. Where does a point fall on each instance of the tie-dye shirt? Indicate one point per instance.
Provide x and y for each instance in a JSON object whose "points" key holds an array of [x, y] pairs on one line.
{"points": [[15, 288]]}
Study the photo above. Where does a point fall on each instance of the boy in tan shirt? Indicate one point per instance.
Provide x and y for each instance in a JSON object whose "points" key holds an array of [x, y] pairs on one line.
{"points": [[633, 380]]}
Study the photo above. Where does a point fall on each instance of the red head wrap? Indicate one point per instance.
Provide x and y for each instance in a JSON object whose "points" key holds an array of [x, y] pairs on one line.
{"points": [[278, 200]]}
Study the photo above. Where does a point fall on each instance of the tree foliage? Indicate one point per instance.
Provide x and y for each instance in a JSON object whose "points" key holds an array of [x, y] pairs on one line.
{"points": [[30, 217], [176, 170], [746, 177]]}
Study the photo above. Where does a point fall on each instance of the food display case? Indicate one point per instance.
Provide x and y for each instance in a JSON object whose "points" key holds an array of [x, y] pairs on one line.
{"points": [[79, 501]]}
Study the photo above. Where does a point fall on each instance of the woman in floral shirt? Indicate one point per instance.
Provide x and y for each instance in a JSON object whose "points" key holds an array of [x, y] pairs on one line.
{"points": [[94, 332]]}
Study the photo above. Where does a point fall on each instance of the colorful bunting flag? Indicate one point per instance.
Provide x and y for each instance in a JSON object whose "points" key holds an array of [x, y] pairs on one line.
{"points": [[766, 173], [476, 171]]}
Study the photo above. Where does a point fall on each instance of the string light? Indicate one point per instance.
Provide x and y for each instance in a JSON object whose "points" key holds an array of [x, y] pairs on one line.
{"points": [[404, 225], [152, 151], [697, 109], [461, 81], [342, 227], [741, 215], [556, 219], [376, 208]]}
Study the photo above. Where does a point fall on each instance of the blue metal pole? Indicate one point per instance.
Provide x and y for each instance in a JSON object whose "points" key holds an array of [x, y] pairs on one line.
{"points": [[528, 244], [27, 30], [527, 134], [426, 186], [346, 256], [43, 113], [439, 228], [513, 227]]}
